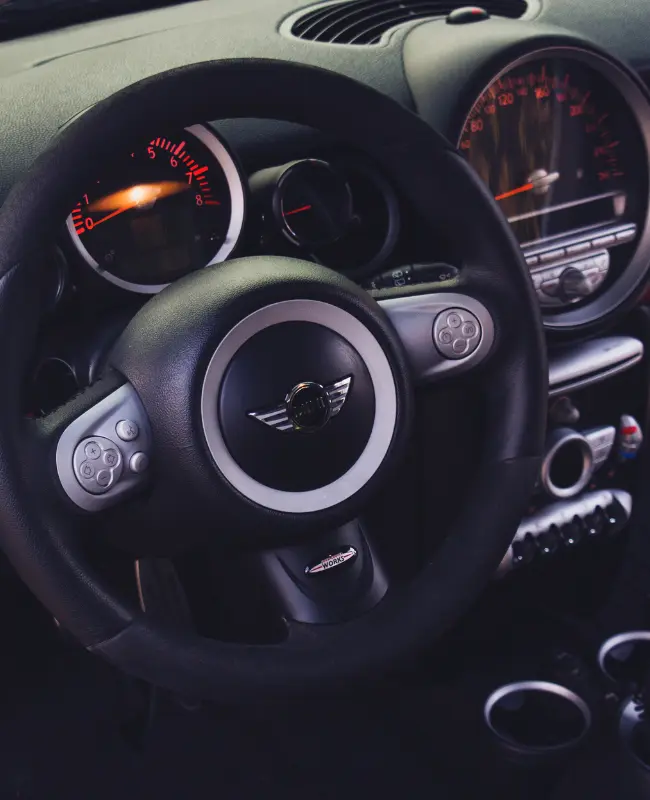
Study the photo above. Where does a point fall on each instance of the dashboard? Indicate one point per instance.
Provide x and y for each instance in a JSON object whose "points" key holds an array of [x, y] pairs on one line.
{"points": [[557, 136], [556, 127]]}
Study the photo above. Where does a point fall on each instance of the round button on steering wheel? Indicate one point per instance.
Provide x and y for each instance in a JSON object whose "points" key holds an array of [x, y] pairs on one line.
{"points": [[269, 399]]}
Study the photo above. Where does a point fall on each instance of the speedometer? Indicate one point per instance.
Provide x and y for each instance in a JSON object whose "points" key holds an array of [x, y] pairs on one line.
{"points": [[172, 205], [562, 152]]}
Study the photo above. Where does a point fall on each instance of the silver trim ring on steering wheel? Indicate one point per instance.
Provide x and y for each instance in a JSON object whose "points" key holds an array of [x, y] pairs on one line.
{"points": [[381, 435]]}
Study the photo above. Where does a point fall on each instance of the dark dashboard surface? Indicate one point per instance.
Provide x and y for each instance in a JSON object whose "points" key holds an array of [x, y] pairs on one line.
{"points": [[45, 80], [437, 70]]}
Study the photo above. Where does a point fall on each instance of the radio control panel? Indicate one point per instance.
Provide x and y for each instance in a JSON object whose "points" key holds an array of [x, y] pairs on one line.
{"points": [[567, 270]]}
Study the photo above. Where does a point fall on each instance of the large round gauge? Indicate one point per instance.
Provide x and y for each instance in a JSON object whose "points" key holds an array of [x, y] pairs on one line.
{"points": [[172, 205], [559, 148], [561, 139]]}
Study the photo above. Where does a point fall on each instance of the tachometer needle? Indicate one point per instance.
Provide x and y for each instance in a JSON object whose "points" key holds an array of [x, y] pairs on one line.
{"points": [[527, 187], [296, 211], [113, 214]]}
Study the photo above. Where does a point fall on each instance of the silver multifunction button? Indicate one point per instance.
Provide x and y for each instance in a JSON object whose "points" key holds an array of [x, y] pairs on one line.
{"points": [[127, 430], [576, 249], [552, 255], [139, 463], [551, 287], [110, 458], [97, 464], [456, 333], [93, 451], [103, 478], [87, 470], [604, 241], [626, 235]]}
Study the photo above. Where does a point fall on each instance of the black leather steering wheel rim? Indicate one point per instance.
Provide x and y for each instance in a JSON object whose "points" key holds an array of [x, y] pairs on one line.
{"points": [[35, 524]]}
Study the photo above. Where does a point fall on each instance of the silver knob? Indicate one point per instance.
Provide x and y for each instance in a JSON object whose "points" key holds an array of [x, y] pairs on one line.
{"points": [[573, 284]]}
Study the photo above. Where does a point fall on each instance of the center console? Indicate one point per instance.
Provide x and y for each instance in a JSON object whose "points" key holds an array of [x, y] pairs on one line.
{"points": [[584, 486]]}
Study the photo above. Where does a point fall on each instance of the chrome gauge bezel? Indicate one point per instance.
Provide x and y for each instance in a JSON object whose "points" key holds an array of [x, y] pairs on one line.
{"points": [[636, 97], [237, 214]]}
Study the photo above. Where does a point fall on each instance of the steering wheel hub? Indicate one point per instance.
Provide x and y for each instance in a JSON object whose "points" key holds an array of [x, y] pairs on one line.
{"points": [[296, 406], [301, 396]]}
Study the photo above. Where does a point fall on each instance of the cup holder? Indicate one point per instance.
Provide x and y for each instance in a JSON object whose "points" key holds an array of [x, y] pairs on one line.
{"points": [[625, 658], [537, 717]]}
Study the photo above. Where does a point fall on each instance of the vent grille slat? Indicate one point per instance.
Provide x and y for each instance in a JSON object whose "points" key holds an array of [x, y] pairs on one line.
{"points": [[316, 21], [348, 27], [335, 24], [371, 28], [364, 22], [356, 12]]}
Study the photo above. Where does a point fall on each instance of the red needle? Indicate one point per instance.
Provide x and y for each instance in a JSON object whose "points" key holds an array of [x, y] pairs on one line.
{"points": [[113, 214], [525, 188], [295, 211]]}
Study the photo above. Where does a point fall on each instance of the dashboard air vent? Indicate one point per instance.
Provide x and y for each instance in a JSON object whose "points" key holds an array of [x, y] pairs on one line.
{"points": [[364, 22]]}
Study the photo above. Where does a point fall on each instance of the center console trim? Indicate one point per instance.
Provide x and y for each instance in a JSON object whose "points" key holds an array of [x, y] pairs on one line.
{"points": [[537, 686], [591, 362], [615, 641], [559, 439]]}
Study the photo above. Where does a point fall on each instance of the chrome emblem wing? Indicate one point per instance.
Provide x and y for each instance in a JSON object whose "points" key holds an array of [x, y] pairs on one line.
{"points": [[277, 417], [338, 394]]}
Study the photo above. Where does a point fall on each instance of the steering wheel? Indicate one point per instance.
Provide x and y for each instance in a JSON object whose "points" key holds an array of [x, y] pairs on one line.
{"points": [[273, 397]]}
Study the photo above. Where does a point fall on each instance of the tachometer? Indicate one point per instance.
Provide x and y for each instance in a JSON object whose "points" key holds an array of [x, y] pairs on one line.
{"points": [[172, 205]]}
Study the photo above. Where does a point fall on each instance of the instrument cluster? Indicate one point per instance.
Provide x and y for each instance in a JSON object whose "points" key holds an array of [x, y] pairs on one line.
{"points": [[181, 201]]}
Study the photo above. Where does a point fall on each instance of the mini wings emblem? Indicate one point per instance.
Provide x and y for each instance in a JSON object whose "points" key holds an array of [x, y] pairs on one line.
{"points": [[308, 407]]}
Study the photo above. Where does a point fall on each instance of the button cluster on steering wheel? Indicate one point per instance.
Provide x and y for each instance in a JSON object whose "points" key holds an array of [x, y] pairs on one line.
{"points": [[104, 453], [456, 333], [98, 464]]}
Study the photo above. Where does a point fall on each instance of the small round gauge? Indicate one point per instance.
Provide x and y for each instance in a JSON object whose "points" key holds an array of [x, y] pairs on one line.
{"points": [[312, 203], [173, 205], [372, 236]]}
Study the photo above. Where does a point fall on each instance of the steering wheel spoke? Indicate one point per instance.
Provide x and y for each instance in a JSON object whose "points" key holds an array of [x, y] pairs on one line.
{"points": [[102, 444], [443, 333]]}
